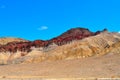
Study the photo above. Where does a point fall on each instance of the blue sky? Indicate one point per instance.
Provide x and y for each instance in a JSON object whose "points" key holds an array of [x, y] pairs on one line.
{"points": [[44, 19]]}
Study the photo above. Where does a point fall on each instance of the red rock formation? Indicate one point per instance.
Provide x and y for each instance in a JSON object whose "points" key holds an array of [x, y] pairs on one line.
{"points": [[68, 36], [37, 43], [72, 34]]}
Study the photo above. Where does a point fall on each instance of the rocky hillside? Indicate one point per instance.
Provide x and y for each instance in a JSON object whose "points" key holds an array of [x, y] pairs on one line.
{"points": [[67, 37], [96, 44], [74, 34]]}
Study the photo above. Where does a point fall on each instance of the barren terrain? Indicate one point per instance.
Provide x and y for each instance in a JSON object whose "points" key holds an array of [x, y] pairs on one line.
{"points": [[107, 66]]}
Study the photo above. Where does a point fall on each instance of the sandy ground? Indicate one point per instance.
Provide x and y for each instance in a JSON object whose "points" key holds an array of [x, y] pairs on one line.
{"points": [[107, 66]]}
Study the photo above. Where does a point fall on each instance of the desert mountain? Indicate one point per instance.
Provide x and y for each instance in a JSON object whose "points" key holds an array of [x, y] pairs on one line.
{"points": [[93, 56], [101, 44], [74, 34], [74, 43], [67, 37]]}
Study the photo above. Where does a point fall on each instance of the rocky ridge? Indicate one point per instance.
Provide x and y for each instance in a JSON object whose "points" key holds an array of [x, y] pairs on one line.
{"points": [[67, 37]]}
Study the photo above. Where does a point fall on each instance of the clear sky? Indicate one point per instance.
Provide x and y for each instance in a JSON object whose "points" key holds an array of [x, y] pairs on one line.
{"points": [[44, 19]]}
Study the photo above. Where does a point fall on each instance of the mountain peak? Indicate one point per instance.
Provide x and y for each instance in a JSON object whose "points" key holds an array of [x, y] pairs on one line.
{"points": [[76, 32]]}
